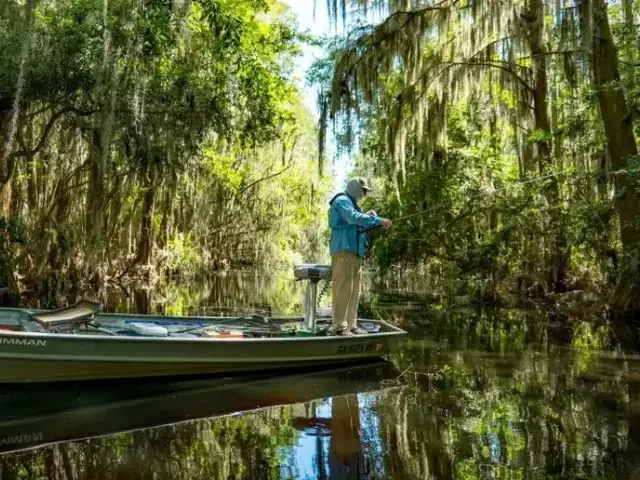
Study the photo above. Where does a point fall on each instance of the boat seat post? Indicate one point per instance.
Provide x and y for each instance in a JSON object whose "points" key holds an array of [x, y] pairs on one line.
{"points": [[312, 273], [310, 313]]}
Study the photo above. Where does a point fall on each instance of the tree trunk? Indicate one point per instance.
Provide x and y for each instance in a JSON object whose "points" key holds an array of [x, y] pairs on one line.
{"points": [[558, 262], [7, 167], [144, 255], [95, 191], [167, 209], [60, 249], [10, 114], [621, 144], [5, 199], [100, 149]]}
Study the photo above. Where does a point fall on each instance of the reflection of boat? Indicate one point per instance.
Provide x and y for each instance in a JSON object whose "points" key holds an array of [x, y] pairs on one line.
{"points": [[32, 415], [80, 343]]}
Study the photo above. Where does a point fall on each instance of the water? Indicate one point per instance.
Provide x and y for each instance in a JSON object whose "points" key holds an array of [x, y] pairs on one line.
{"points": [[475, 394]]}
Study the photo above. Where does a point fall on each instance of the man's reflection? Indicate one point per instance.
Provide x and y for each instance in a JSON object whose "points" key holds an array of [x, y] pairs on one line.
{"points": [[346, 458]]}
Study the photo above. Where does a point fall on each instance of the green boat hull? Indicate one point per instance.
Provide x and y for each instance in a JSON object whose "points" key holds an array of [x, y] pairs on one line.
{"points": [[53, 357]]}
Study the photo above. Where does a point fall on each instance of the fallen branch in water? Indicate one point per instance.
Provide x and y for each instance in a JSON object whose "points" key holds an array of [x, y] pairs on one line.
{"points": [[433, 376]]}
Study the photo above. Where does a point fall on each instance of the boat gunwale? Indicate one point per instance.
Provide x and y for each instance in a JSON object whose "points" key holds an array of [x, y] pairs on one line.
{"points": [[395, 331], [181, 360]]}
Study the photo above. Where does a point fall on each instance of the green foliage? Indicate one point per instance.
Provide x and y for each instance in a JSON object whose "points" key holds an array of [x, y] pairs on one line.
{"points": [[452, 107], [634, 166], [155, 131]]}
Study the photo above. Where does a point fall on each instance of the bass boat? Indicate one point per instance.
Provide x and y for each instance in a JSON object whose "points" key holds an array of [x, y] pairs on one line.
{"points": [[81, 342]]}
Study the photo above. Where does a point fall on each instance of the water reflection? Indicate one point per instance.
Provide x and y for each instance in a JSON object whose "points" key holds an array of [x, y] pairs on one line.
{"points": [[346, 458], [233, 291], [238, 446], [498, 415], [87, 410], [475, 394]]}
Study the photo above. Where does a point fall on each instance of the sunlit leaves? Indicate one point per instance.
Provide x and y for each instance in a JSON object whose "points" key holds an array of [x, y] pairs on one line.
{"points": [[224, 169], [181, 113]]}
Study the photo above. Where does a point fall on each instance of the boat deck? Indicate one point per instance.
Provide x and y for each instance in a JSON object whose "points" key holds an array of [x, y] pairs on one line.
{"points": [[84, 319]]}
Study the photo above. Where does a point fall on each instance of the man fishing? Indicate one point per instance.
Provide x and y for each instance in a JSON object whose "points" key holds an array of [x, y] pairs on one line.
{"points": [[348, 246]]}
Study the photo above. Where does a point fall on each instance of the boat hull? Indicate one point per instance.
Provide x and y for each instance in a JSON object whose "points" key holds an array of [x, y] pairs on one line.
{"points": [[47, 357], [28, 371]]}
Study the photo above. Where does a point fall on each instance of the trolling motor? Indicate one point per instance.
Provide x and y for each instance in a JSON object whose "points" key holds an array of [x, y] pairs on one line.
{"points": [[312, 273]]}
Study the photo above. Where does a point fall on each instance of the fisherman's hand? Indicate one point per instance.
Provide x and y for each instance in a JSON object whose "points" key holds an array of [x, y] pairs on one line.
{"points": [[372, 213], [386, 224]]}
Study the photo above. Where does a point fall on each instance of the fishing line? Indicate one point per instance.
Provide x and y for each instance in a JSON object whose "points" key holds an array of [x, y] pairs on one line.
{"points": [[493, 192]]}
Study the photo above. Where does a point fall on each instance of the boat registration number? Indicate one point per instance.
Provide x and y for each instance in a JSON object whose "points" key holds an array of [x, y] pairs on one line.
{"points": [[360, 348]]}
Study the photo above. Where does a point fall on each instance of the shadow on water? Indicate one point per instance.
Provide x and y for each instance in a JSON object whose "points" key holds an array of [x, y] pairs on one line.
{"points": [[475, 394]]}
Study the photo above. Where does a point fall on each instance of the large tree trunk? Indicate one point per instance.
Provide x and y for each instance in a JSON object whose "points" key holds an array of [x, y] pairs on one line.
{"points": [[60, 247], [7, 161], [558, 261], [100, 149], [10, 109], [620, 142], [165, 224], [95, 191], [147, 232]]}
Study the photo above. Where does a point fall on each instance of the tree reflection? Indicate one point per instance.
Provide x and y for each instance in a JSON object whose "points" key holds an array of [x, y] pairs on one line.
{"points": [[236, 447], [510, 406], [484, 394]]}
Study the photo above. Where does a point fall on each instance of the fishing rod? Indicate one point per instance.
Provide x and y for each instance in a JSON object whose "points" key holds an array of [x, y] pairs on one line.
{"points": [[427, 210]]}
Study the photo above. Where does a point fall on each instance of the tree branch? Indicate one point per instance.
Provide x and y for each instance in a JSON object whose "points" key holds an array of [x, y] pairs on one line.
{"points": [[544, 54], [488, 45], [26, 152], [631, 64], [368, 42], [264, 179], [447, 65], [492, 64]]}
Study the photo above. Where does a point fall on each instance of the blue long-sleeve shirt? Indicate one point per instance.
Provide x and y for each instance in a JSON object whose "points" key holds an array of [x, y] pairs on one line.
{"points": [[347, 221]]}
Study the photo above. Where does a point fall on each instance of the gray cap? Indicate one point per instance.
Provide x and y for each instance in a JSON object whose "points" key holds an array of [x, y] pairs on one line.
{"points": [[363, 184]]}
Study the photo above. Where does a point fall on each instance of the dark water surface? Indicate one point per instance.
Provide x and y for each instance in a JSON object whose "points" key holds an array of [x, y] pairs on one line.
{"points": [[475, 394]]}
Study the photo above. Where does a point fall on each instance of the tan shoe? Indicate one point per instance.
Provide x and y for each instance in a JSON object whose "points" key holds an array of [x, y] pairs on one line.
{"points": [[345, 332]]}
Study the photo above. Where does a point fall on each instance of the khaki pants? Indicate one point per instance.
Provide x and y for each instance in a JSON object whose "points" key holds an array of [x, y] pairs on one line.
{"points": [[346, 276]]}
